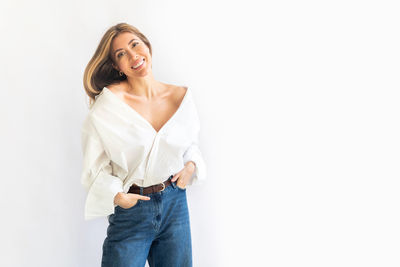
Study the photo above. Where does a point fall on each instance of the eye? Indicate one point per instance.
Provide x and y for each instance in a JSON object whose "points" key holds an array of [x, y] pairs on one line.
{"points": [[133, 45]]}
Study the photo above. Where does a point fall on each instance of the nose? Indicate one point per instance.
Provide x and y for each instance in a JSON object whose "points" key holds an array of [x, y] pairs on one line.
{"points": [[132, 54]]}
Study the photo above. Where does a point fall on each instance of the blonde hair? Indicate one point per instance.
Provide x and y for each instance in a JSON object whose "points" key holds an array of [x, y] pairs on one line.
{"points": [[99, 72]]}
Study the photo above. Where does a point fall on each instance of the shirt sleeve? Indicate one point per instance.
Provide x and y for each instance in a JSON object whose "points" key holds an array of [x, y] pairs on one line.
{"points": [[101, 186], [194, 154]]}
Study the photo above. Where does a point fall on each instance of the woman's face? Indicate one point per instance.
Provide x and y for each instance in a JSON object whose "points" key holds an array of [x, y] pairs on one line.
{"points": [[131, 55]]}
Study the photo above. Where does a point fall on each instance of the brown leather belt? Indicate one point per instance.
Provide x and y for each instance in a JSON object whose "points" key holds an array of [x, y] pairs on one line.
{"points": [[135, 189]]}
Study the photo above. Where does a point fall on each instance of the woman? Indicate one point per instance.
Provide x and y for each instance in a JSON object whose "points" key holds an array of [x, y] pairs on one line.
{"points": [[140, 151]]}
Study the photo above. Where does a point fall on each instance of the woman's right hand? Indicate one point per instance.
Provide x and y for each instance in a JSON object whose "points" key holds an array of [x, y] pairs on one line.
{"points": [[128, 200]]}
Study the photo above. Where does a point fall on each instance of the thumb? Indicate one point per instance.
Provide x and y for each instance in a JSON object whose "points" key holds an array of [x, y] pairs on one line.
{"points": [[174, 178], [143, 197]]}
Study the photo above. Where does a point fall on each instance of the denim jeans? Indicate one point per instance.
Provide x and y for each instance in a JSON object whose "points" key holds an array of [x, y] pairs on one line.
{"points": [[157, 230]]}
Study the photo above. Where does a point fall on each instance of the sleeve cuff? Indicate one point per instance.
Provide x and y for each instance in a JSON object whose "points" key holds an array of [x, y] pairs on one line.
{"points": [[100, 198], [200, 172]]}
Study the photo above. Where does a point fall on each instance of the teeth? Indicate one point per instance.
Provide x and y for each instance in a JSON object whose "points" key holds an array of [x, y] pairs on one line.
{"points": [[139, 64]]}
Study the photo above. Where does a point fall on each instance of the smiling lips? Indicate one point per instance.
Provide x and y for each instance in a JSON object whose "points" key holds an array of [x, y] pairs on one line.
{"points": [[138, 64]]}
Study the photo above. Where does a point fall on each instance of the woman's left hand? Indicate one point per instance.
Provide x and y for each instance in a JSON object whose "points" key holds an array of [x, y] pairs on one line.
{"points": [[184, 175]]}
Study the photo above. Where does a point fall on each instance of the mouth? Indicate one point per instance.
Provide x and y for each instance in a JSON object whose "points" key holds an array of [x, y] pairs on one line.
{"points": [[138, 65]]}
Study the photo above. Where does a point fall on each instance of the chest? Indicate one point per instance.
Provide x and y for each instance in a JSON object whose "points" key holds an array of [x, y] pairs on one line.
{"points": [[156, 112], [133, 126]]}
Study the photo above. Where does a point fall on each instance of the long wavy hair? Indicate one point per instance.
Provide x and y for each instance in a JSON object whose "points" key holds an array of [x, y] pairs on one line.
{"points": [[99, 72]]}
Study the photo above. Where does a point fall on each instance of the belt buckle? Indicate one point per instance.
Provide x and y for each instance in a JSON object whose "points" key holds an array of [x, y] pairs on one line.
{"points": [[163, 187]]}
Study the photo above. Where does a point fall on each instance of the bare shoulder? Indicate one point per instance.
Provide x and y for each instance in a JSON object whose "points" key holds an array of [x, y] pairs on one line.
{"points": [[178, 92], [116, 88]]}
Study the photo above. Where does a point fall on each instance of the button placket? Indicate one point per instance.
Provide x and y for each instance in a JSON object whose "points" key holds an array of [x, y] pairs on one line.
{"points": [[151, 154]]}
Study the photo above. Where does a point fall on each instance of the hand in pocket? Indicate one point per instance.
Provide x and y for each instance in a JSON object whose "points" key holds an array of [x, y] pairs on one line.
{"points": [[183, 176], [128, 200]]}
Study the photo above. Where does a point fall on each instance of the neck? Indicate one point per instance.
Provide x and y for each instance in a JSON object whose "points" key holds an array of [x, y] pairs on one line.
{"points": [[146, 87]]}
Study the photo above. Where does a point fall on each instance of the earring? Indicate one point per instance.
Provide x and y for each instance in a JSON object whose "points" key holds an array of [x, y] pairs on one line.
{"points": [[121, 73]]}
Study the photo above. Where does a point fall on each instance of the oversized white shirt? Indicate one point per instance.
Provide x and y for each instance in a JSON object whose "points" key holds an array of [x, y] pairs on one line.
{"points": [[120, 147]]}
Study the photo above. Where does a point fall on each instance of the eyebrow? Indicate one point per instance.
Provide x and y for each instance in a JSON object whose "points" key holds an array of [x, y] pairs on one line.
{"points": [[128, 44]]}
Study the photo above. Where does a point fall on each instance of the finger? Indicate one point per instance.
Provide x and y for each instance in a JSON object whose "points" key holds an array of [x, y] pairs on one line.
{"points": [[181, 183], [175, 177], [143, 197], [139, 196]]}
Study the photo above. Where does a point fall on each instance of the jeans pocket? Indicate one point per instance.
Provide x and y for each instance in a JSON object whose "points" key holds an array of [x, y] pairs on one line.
{"points": [[179, 188], [137, 203]]}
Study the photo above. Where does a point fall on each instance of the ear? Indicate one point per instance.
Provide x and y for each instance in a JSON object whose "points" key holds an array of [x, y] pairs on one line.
{"points": [[115, 67]]}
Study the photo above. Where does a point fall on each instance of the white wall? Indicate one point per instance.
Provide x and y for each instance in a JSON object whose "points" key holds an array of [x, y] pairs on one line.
{"points": [[299, 103]]}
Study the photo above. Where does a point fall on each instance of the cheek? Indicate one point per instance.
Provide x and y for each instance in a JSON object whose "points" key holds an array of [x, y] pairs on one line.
{"points": [[145, 51], [123, 62]]}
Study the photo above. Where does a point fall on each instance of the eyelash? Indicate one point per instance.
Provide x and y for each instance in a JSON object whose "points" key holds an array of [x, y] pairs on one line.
{"points": [[118, 56]]}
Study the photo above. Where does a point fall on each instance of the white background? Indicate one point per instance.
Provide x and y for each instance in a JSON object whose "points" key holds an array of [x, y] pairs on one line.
{"points": [[299, 105]]}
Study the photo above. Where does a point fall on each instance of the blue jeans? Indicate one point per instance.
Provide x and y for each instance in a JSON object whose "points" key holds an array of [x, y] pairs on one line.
{"points": [[157, 230]]}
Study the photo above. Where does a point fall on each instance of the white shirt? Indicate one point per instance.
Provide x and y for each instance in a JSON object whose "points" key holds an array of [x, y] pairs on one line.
{"points": [[120, 147]]}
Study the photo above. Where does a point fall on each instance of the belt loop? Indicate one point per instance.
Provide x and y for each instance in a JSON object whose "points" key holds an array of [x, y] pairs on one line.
{"points": [[141, 191]]}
